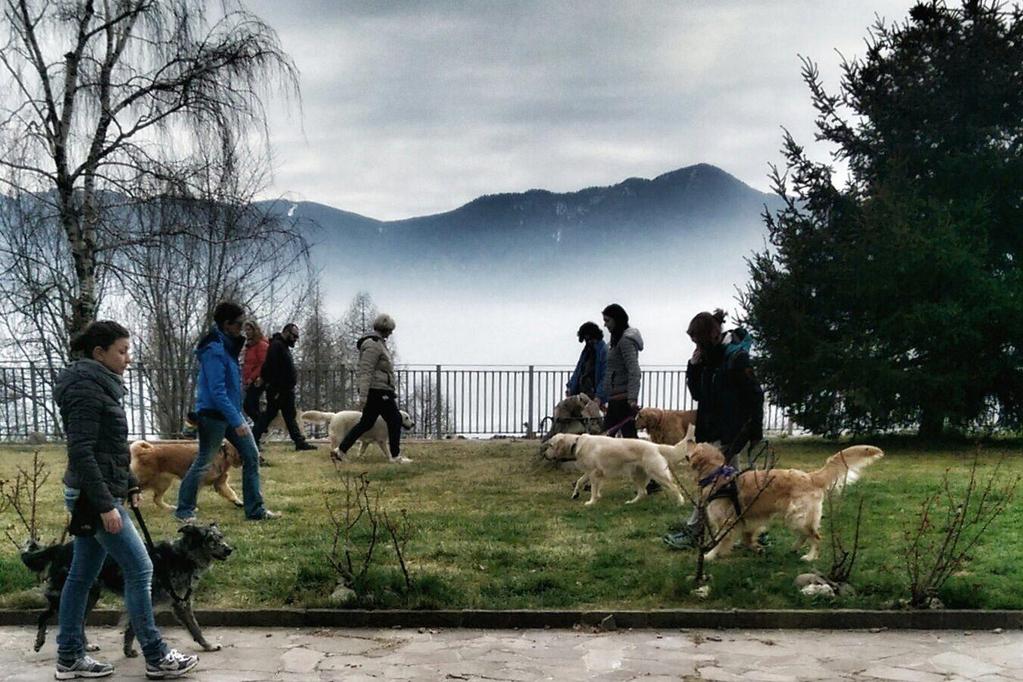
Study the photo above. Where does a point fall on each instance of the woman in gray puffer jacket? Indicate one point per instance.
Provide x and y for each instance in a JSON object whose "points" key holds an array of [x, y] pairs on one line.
{"points": [[377, 393], [99, 481], [622, 377]]}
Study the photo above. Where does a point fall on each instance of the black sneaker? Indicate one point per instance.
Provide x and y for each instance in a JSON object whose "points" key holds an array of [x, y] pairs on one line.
{"points": [[684, 539], [267, 516], [84, 667], [304, 445], [172, 665]]}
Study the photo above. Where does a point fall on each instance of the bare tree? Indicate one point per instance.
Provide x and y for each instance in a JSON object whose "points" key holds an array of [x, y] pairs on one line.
{"points": [[104, 97], [356, 323], [175, 281], [953, 520]]}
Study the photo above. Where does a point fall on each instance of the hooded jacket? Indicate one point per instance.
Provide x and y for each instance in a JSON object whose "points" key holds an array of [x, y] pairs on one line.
{"points": [[219, 386], [376, 370], [622, 376], [89, 397]]}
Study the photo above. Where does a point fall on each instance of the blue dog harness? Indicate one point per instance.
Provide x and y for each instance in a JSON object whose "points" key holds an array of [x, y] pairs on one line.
{"points": [[729, 490]]}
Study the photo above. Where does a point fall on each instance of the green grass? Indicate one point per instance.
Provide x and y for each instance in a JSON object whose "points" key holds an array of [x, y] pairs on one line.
{"points": [[498, 530]]}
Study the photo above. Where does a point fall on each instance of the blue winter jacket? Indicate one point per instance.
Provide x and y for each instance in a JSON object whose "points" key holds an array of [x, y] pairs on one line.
{"points": [[601, 367], [219, 386]]}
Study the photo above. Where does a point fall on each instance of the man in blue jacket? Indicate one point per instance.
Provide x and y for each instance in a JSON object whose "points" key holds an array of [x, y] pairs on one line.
{"points": [[218, 402], [588, 376]]}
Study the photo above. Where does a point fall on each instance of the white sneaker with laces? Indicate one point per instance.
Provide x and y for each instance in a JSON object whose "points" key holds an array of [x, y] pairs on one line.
{"points": [[85, 667], [401, 459], [174, 664]]}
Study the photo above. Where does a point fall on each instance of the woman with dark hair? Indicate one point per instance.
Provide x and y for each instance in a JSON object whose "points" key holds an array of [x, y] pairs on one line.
{"points": [[588, 376], [729, 399], [218, 404], [622, 377], [256, 346], [98, 482]]}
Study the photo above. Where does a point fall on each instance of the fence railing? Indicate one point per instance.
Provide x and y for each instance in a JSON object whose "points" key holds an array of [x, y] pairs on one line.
{"points": [[443, 400]]}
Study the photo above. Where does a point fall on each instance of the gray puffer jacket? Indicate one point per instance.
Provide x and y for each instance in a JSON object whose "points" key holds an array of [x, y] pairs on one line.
{"points": [[89, 397], [622, 376], [376, 370]]}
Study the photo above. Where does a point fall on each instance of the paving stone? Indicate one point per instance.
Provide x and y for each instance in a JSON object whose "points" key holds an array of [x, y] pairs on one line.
{"points": [[301, 660], [963, 665], [902, 674]]}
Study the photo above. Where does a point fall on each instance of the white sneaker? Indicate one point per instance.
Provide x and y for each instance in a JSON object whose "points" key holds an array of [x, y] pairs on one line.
{"points": [[174, 664], [401, 459], [85, 667]]}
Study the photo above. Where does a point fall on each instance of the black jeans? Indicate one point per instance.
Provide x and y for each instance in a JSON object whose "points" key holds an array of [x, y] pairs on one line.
{"points": [[617, 412], [251, 404], [379, 403], [283, 402]]}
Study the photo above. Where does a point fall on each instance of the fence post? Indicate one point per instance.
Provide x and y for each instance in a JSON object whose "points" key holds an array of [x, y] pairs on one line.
{"points": [[140, 399], [438, 406], [35, 398], [529, 402]]}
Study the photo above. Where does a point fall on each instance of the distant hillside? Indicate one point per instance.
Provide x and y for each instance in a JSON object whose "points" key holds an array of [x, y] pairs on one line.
{"points": [[658, 219]]}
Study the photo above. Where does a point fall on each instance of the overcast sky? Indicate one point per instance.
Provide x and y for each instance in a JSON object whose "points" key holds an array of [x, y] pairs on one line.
{"points": [[411, 108]]}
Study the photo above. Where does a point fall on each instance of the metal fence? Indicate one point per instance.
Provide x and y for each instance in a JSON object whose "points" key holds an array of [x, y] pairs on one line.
{"points": [[443, 400]]}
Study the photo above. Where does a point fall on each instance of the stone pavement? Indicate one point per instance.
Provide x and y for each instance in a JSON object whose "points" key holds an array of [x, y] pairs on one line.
{"points": [[304, 654]]}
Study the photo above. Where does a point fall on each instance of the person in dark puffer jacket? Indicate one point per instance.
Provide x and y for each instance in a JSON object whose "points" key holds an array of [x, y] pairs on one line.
{"points": [[89, 394]]}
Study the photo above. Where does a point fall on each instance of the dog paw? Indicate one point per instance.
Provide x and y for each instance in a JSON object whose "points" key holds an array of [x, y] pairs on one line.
{"points": [[588, 503], [88, 647], [808, 558], [131, 653], [239, 504], [211, 647]]}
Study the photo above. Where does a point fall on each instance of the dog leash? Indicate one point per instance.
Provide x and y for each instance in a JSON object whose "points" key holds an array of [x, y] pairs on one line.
{"points": [[618, 427], [151, 548]]}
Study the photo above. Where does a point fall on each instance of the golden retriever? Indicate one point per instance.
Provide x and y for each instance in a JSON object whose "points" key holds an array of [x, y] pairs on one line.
{"points": [[665, 426], [600, 456], [340, 423], [156, 464], [797, 496]]}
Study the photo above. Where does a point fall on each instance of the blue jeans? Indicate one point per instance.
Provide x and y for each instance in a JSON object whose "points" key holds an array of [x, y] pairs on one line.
{"points": [[212, 432], [128, 550]]}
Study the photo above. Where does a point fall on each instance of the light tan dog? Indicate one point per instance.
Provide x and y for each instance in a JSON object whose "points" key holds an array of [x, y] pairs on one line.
{"points": [[795, 495], [340, 423], [156, 464], [600, 456], [576, 414], [665, 426]]}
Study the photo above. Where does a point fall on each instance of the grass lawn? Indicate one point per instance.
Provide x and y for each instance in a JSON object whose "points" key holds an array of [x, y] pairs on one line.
{"points": [[497, 530]]}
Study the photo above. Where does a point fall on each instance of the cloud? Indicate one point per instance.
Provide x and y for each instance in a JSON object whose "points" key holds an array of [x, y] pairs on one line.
{"points": [[416, 108]]}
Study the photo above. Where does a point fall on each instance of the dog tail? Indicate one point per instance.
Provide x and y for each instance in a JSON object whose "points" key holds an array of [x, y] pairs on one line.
{"points": [[140, 450], [845, 467], [317, 417], [38, 558]]}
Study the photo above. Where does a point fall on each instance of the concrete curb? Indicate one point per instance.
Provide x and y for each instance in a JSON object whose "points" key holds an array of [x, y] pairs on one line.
{"points": [[507, 620]]}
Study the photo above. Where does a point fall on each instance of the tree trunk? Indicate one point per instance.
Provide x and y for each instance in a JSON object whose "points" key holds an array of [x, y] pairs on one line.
{"points": [[932, 423]]}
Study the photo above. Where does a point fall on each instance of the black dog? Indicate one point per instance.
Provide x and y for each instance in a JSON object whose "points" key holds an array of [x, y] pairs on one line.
{"points": [[182, 562]]}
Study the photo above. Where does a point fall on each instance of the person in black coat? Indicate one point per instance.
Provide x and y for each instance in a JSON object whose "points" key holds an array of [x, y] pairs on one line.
{"points": [[280, 378], [729, 399], [97, 484]]}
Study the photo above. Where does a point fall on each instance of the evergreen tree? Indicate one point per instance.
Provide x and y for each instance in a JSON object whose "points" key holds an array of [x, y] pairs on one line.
{"points": [[897, 300]]}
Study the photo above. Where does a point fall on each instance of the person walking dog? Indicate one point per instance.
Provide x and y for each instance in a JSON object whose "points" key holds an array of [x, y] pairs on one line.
{"points": [[97, 484], [218, 406], [377, 394]]}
